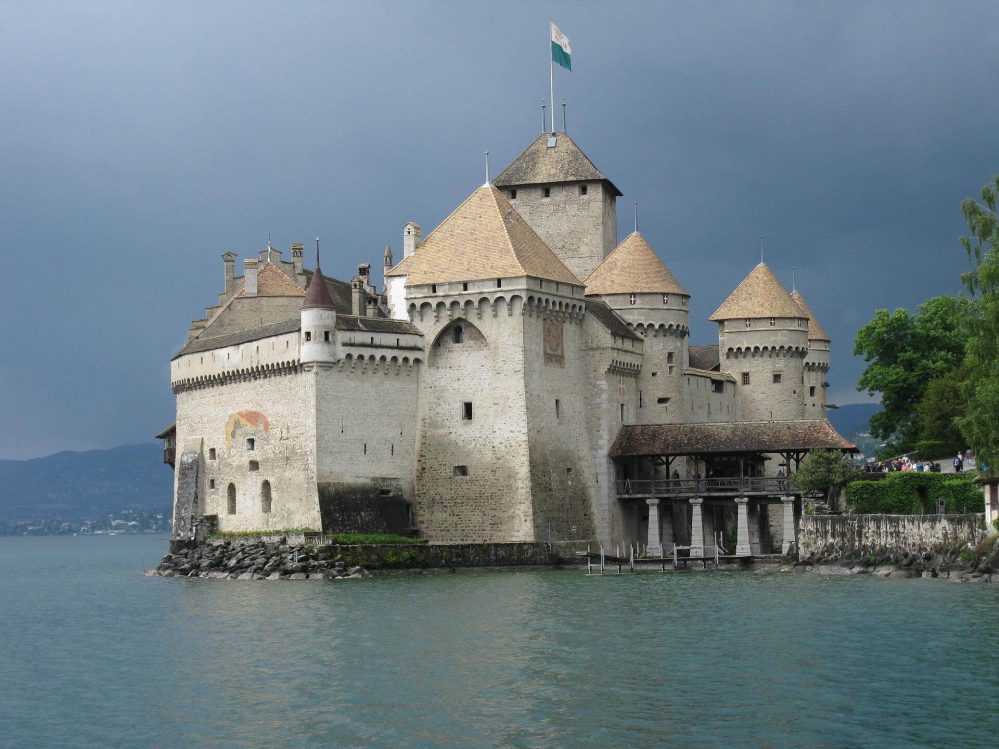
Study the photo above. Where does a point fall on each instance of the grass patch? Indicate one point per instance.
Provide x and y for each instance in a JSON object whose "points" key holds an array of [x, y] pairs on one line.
{"points": [[223, 535], [376, 538]]}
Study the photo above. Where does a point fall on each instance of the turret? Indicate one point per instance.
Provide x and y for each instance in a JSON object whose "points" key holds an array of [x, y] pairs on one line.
{"points": [[638, 286], [762, 343], [229, 261], [816, 363], [318, 341], [387, 264]]}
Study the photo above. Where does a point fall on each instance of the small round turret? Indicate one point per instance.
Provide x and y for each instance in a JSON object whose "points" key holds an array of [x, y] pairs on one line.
{"points": [[318, 334]]}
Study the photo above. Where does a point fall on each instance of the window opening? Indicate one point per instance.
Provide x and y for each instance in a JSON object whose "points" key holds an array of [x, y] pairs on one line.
{"points": [[548, 192], [558, 408], [513, 194], [583, 189], [717, 386], [662, 401], [665, 298], [499, 283], [308, 335], [251, 443], [777, 378], [632, 299], [326, 336], [464, 286], [231, 499], [747, 322], [811, 390], [745, 378], [265, 496], [458, 334], [433, 288], [211, 453], [459, 471], [466, 411], [254, 465], [211, 483], [772, 322], [622, 412]]}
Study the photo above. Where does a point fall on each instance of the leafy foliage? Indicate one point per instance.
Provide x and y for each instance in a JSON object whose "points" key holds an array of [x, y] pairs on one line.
{"points": [[914, 493], [905, 353], [980, 423], [938, 413], [821, 470], [375, 538]]}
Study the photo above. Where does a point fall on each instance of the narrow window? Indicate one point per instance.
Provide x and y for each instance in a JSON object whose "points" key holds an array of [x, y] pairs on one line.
{"points": [[372, 340], [396, 341], [776, 378], [558, 408], [433, 288], [459, 471], [669, 357], [211, 453], [670, 368], [211, 483], [622, 412], [717, 386], [745, 378], [583, 189], [640, 404], [548, 192], [499, 283], [254, 465], [772, 322], [513, 194], [326, 336], [251, 443], [265, 496], [654, 374], [466, 411], [464, 286], [308, 335], [231, 499], [662, 401], [632, 299], [458, 334], [392, 449], [800, 321], [665, 298], [568, 473], [747, 322], [811, 390], [365, 448]]}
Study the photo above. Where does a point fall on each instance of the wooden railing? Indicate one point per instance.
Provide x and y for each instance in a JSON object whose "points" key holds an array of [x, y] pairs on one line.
{"points": [[703, 487]]}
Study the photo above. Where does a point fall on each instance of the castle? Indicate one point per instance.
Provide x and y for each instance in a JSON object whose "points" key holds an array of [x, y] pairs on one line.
{"points": [[522, 376]]}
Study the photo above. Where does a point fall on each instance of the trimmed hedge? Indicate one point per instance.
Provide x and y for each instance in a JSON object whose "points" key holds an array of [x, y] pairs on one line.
{"points": [[914, 493]]}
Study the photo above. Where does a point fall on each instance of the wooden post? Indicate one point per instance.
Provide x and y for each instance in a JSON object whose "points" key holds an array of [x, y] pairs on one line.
{"points": [[631, 559]]}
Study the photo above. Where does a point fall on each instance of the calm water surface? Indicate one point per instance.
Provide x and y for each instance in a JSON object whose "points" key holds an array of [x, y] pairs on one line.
{"points": [[92, 654]]}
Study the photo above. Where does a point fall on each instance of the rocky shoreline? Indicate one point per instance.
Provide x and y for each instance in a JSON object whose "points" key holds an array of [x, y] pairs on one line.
{"points": [[955, 562], [258, 561]]}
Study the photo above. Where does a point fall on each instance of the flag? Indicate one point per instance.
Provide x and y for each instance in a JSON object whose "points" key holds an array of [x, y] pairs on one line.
{"points": [[560, 49]]}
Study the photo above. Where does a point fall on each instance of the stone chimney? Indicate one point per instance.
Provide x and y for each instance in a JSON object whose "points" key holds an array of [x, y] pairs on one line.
{"points": [[296, 257], [229, 261], [250, 276], [410, 238], [364, 273], [357, 298]]}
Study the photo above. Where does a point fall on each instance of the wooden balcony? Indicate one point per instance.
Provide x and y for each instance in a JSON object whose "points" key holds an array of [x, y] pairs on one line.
{"points": [[727, 487]]}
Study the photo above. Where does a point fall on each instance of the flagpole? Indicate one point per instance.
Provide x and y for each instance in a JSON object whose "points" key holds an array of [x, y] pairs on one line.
{"points": [[551, 70]]}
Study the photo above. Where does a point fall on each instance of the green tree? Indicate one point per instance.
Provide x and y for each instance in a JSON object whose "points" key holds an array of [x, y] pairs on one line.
{"points": [[821, 470], [905, 353], [980, 423], [939, 412]]}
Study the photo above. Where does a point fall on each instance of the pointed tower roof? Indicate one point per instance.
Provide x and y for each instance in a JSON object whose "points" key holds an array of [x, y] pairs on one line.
{"points": [[317, 295], [633, 267], [483, 238], [815, 331], [759, 295], [542, 164]]}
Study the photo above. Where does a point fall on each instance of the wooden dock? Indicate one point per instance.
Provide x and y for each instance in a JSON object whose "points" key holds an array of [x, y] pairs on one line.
{"points": [[598, 561]]}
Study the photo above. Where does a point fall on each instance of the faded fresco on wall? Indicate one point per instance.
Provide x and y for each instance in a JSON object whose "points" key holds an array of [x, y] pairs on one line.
{"points": [[553, 344], [253, 421]]}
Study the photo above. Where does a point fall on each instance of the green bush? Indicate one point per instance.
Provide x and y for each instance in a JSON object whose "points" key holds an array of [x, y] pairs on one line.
{"points": [[914, 493], [375, 538]]}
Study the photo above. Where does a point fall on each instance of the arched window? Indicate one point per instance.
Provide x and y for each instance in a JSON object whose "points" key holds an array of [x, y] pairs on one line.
{"points": [[231, 499], [459, 334], [265, 496]]}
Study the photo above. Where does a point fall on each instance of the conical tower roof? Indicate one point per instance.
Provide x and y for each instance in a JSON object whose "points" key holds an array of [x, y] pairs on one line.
{"points": [[760, 294], [633, 267], [317, 296], [553, 157], [484, 238], [815, 331]]}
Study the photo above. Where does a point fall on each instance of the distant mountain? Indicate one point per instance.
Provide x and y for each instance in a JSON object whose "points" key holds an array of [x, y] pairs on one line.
{"points": [[84, 485], [853, 419]]}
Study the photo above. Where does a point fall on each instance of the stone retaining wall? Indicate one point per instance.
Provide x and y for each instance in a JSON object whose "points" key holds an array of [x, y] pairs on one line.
{"points": [[842, 536]]}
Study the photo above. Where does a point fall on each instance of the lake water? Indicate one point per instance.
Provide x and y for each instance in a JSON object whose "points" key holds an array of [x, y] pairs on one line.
{"points": [[92, 654]]}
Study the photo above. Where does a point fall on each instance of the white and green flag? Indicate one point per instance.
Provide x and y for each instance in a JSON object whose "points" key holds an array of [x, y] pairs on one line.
{"points": [[560, 50]]}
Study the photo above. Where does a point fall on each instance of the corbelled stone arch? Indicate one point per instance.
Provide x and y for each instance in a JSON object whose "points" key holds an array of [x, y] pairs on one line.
{"points": [[456, 339]]}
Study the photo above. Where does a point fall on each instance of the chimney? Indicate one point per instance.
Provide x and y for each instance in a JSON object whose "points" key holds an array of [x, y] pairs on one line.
{"points": [[250, 277], [229, 261], [296, 257], [410, 238], [364, 273], [372, 308], [357, 298]]}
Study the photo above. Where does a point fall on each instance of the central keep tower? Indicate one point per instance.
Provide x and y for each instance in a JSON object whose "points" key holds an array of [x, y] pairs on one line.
{"points": [[565, 199]]}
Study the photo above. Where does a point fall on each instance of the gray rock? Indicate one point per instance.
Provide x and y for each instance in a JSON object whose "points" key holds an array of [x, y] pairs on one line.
{"points": [[274, 576], [298, 576], [884, 571], [245, 576]]}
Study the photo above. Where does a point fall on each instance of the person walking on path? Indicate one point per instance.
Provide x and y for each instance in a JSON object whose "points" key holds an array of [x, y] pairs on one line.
{"points": [[958, 463]]}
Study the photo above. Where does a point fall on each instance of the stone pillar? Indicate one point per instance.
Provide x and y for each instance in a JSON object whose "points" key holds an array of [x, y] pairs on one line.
{"points": [[696, 528], [787, 536], [655, 547], [742, 548]]}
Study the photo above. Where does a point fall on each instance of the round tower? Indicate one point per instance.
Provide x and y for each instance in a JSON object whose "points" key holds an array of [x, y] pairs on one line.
{"points": [[638, 286], [816, 363], [318, 334], [762, 343]]}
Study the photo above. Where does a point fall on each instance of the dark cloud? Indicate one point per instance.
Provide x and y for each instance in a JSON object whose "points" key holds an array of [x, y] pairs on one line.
{"points": [[140, 141]]}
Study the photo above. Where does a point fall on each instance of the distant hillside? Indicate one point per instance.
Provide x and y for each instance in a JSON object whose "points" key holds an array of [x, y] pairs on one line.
{"points": [[853, 419], [80, 485]]}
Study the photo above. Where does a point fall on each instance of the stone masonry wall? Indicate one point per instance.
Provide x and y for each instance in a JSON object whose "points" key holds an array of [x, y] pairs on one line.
{"points": [[844, 536]]}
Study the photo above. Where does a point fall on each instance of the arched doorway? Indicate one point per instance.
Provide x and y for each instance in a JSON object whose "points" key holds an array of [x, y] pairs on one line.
{"points": [[231, 499], [265, 496]]}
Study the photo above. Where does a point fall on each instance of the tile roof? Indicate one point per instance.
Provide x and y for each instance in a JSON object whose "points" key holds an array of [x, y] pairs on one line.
{"points": [[539, 164], [727, 437], [759, 295], [485, 238], [633, 267], [607, 317], [401, 268], [815, 331], [704, 357], [339, 290], [317, 295], [272, 281], [376, 325]]}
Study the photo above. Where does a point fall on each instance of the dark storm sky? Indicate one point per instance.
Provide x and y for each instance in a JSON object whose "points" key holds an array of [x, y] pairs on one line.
{"points": [[139, 141]]}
